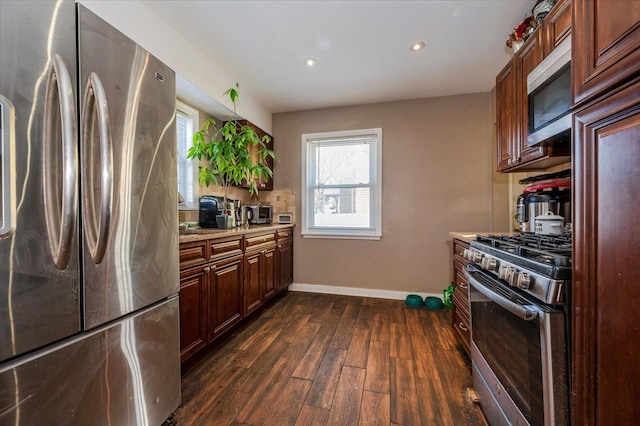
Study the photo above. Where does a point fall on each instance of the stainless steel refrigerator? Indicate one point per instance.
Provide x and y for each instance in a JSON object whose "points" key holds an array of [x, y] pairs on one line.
{"points": [[89, 273]]}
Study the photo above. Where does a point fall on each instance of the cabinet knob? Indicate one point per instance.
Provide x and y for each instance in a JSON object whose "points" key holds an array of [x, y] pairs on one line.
{"points": [[463, 286], [207, 269], [214, 267], [279, 245]]}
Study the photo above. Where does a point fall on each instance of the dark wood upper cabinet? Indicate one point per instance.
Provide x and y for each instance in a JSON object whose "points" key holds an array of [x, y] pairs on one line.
{"points": [[506, 106], [529, 56], [557, 25], [606, 46], [605, 286]]}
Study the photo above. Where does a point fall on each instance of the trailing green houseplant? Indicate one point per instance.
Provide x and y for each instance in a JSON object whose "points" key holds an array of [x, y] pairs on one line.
{"points": [[234, 154]]}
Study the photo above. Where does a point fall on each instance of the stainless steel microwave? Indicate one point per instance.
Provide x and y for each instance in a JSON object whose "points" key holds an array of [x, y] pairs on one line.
{"points": [[549, 98]]}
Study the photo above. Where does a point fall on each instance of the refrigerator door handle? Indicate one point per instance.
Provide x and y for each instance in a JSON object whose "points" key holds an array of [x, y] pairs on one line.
{"points": [[61, 206], [7, 168], [96, 231]]}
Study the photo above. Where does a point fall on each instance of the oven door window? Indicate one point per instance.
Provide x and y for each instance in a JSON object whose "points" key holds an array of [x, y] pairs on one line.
{"points": [[512, 348]]}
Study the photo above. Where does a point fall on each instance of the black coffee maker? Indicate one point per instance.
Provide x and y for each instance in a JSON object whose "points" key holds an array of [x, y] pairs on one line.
{"points": [[210, 207]]}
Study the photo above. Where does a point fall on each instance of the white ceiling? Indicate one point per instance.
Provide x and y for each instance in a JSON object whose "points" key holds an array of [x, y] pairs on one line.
{"points": [[362, 47]]}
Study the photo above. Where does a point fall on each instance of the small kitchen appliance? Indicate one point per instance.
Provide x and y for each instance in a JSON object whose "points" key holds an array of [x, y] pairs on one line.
{"points": [[210, 207], [259, 215], [549, 98], [518, 295], [285, 218], [540, 197]]}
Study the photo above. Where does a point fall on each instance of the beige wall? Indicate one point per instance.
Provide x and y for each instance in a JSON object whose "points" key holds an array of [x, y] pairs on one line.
{"points": [[437, 177]]}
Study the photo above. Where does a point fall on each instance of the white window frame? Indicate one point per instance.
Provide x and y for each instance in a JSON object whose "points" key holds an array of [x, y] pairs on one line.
{"points": [[194, 115], [308, 186]]}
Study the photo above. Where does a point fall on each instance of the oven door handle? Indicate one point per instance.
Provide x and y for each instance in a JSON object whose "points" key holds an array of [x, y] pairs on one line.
{"points": [[525, 312]]}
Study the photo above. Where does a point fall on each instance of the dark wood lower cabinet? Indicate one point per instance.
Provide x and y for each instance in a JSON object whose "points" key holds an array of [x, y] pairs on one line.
{"points": [[252, 282], [284, 260], [605, 284], [460, 316], [193, 317], [259, 277], [225, 295], [224, 279]]}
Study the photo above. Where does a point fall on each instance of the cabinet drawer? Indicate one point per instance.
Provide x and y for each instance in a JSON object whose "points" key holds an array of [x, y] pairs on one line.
{"points": [[461, 299], [285, 233], [193, 254], [222, 248], [458, 248], [257, 241], [462, 327]]}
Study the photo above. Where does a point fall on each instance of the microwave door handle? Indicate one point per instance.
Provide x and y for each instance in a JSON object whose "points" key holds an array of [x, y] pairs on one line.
{"points": [[61, 213], [95, 102], [527, 312], [7, 169]]}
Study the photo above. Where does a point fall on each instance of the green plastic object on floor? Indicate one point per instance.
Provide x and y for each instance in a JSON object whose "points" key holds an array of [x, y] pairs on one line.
{"points": [[447, 296]]}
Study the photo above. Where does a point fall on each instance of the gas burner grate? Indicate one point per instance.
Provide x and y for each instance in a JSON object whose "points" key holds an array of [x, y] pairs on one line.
{"points": [[547, 249]]}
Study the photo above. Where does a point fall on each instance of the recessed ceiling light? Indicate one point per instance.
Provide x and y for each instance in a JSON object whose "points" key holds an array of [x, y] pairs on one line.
{"points": [[418, 45], [310, 62]]}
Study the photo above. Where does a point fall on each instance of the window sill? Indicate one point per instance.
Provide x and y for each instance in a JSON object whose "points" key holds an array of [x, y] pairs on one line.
{"points": [[342, 236]]}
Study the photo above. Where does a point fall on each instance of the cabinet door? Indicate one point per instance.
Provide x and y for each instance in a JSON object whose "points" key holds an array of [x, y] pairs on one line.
{"points": [[252, 282], [193, 312], [606, 46], [529, 56], [225, 295], [284, 263], [269, 272], [506, 114], [605, 290], [557, 25]]}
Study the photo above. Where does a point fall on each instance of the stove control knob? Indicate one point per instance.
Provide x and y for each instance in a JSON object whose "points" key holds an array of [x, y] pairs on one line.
{"points": [[466, 253], [513, 277], [506, 272], [523, 281], [476, 257], [490, 263]]}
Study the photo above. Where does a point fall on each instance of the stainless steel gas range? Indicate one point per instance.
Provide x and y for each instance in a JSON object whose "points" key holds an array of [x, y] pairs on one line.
{"points": [[518, 294]]}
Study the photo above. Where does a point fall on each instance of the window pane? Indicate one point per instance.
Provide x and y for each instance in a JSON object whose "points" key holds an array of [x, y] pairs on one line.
{"points": [[184, 130], [342, 207], [342, 163]]}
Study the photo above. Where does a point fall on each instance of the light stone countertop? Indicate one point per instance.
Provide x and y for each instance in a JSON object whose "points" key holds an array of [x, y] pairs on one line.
{"points": [[199, 234], [471, 236]]}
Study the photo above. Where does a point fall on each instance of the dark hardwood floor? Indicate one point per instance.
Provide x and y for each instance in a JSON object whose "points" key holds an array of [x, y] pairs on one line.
{"points": [[313, 359]]}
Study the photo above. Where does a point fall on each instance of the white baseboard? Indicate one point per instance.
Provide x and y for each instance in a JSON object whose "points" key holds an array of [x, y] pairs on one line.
{"points": [[353, 291]]}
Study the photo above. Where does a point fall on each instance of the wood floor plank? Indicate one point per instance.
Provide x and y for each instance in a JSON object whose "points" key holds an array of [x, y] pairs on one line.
{"points": [[415, 320], [308, 365], [399, 343], [304, 335], [397, 313], [346, 404], [358, 349], [404, 395], [200, 404], [344, 333], [224, 410], [380, 327], [434, 408], [288, 405], [312, 416], [375, 409], [251, 378], [261, 403], [426, 366], [249, 354], [377, 379], [325, 382]]}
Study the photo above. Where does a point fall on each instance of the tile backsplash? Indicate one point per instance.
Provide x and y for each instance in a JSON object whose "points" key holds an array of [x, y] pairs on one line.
{"points": [[283, 201]]}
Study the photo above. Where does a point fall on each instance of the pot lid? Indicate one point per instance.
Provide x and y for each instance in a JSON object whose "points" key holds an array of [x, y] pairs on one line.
{"points": [[549, 216], [560, 183]]}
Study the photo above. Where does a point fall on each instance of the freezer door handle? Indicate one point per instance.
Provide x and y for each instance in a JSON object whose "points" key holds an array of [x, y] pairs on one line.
{"points": [[96, 229], [7, 168], [60, 163]]}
